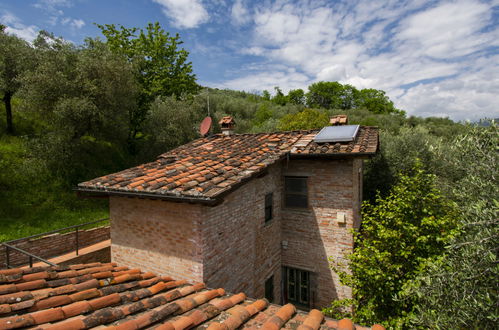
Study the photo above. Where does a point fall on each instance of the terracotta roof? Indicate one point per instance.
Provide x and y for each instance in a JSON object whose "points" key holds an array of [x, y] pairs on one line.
{"points": [[206, 168], [107, 296]]}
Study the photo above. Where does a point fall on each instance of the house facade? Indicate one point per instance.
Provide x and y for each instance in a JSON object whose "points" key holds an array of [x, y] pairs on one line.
{"points": [[253, 213]]}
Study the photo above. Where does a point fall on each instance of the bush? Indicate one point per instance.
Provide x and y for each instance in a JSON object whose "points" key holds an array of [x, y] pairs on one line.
{"points": [[460, 290], [400, 233]]}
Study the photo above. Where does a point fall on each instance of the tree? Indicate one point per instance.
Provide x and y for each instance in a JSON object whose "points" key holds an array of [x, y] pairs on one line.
{"points": [[266, 95], [460, 289], [325, 94], [306, 119], [279, 97], [162, 69], [400, 234], [83, 96], [296, 96], [376, 101], [15, 59], [171, 122]]}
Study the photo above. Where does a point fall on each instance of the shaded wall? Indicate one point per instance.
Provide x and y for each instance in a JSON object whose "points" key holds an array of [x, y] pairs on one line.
{"points": [[241, 250], [314, 234]]}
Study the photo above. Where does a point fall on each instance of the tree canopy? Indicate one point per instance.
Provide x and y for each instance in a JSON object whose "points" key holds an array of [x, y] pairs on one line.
{"points": [[162, 68], [15, 59]]}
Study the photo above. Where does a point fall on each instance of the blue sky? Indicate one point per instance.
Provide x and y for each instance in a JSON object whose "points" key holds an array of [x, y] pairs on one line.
{"points": [[433, 58]]}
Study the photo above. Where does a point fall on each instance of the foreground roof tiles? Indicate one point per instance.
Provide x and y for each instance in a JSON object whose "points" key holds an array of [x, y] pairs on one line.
{"points": [[106, 296], [206, 168]]}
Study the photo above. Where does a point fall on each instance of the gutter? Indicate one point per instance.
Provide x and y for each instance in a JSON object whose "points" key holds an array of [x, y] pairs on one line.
{"points": [[88, 192]]}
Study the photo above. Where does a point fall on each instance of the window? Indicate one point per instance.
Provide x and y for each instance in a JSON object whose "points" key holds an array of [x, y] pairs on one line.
{"points": [[269, 289], [296, 192], [268, 206], [297, 286]]}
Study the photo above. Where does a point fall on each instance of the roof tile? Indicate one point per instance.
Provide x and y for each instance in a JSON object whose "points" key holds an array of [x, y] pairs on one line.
{"points": [[139, 300], [208, 162]]}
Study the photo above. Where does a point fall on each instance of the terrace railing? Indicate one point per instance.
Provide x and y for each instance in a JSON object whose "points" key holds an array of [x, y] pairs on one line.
{"points": [[9, 245]]}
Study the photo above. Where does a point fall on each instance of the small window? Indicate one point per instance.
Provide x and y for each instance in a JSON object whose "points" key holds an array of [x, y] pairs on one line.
{"points": [[269, 289], [296, 192], [269, 201], [297, 286]]}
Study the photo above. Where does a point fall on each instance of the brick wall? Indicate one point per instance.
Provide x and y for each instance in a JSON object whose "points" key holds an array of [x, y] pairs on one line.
{"points": [[228, 245], [53, 245], [103, 255], [313, 234], [241, 250], [158, 236], [231, 246]]}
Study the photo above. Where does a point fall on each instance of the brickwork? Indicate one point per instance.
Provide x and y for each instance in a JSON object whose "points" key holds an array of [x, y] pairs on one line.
{"points": [[314, 234], [230, 245], [103, 255], [53, 245], [158, 236], [241, 249]]}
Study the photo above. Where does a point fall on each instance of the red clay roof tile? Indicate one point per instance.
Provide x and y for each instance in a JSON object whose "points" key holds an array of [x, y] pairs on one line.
{"points": [[139, 300], [207, 162]]}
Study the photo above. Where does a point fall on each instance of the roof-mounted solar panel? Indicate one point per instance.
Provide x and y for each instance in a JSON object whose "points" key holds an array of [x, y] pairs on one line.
{"points": [[345, 133]]}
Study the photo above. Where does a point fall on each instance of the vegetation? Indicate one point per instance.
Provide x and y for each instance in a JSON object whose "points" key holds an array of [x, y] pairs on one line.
{"points": [[459, 290], [83, 111], [400, 234]]}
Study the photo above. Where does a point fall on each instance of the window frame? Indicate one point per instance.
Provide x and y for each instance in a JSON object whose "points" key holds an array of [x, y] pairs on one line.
{"points": [[293, 288], [270, 206], [305, 194], [269, 285]]}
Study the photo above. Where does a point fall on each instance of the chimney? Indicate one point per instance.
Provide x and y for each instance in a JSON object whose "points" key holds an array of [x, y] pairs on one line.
{"points": [[227, 124], [339, 120]]}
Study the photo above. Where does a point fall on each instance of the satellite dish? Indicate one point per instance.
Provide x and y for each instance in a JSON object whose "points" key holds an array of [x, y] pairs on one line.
{"points": [[205, 126]]}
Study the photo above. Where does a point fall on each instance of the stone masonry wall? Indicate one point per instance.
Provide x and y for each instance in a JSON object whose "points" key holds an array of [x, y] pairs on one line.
{"points": [[314, 234], [241, 250], [158, 236], [53, 245]]}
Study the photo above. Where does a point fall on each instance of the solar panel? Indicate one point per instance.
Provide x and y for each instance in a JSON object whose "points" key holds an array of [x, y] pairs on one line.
{"points": [[344, 133]]}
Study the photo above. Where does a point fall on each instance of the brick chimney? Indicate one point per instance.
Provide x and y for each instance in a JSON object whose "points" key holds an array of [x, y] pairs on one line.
{"points": [[339, 120], [227, 124]]}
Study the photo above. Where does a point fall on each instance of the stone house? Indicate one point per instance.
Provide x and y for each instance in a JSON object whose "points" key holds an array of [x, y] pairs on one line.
{"points": [[257, 213]]}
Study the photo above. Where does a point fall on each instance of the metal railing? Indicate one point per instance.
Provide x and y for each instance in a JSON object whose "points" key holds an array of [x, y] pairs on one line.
{"points": [[8, 245]]}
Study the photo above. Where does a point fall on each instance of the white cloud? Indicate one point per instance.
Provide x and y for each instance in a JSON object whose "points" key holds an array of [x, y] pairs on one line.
{"points": [[286, 80], [52, 6], [447, 30], [184, 13], [16, 27], [425, 54], [239, 13], [72, 22]]}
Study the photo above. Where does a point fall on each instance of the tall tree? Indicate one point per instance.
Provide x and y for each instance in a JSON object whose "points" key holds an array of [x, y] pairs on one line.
{"points": [[296, 96], [15, 59], [83, 95], [376, 101], [162, 68], [325, 94]]}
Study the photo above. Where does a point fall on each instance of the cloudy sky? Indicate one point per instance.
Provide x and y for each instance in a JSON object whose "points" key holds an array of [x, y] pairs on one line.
{"points": [[433, 58]]}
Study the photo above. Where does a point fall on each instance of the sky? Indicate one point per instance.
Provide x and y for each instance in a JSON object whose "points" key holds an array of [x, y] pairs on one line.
{"points": [[433, 58]]}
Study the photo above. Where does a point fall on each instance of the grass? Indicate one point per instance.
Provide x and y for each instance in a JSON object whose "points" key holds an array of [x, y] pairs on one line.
{"points": [[32, 201]]}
